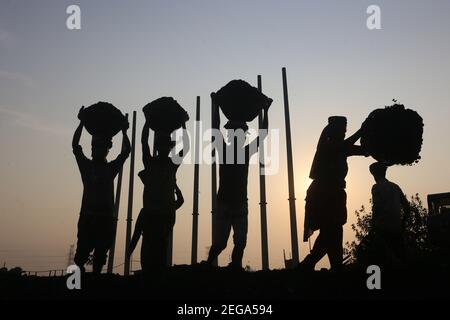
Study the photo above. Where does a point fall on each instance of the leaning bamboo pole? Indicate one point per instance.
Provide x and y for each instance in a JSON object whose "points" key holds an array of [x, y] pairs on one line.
{"points": [[290, 167], [116, 216]]}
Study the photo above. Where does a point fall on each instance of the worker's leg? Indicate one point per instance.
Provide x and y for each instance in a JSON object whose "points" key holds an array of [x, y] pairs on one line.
{"points": [[318, 251], [156, 243], [240, 228], [167, 229], [153, 246], [104, 237], [84, 242], [222, 228], [145, 257], [335, 250]]}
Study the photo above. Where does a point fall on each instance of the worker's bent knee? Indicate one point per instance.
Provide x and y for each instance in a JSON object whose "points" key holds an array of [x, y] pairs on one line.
{"points": [[219, 247]]}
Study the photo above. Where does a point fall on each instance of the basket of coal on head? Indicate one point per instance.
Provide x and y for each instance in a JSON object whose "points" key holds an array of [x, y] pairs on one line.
{"points": [[393, 135], [103, 120], [165, 115], [240, 102]]}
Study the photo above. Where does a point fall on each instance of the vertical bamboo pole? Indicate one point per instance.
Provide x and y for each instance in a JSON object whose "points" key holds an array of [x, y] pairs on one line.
{"points": [[262, 195], [116, 216], [213, 178], [127, 264], [290, 167], [196, 185]]}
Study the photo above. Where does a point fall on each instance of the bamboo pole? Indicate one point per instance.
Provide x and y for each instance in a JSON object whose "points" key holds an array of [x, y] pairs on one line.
{"points": [[213, 179], [196, 185], [127, 264], [290, 167], [262, 195], [116, 215]]}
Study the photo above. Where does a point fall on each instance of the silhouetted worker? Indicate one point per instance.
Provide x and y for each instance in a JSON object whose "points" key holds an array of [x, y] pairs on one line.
{"points": [[159, 203], [232, 208], [96, 221], [325, 208], [388, 202], [155, 238]]}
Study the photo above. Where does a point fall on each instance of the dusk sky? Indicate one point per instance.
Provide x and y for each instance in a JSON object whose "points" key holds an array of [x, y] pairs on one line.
{"points": [[131, 52]]}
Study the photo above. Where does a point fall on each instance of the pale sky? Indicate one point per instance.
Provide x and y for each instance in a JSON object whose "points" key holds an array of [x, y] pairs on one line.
{"points": [[132, 52]]}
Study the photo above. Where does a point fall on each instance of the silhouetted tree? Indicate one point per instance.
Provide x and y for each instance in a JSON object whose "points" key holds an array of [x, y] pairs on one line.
{"points": [[415, 233], [16, 271]]}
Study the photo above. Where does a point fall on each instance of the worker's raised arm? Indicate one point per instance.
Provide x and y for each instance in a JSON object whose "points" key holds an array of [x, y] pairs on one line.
{"points": [[352, 149], [353, 138], [253, 146], [186, 143], [117, 163], [126, 145], [215, 112], [217, 140], [146, 155], [355, 150], [78, 131]]}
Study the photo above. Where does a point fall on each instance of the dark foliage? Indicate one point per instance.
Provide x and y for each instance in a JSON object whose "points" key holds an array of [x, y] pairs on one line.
{"points": [[415, 235]]}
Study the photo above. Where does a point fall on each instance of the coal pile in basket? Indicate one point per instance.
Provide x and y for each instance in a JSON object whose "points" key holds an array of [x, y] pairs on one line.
{"points": [[393, 135], [240, 102], [165, 115], [103, 119]]}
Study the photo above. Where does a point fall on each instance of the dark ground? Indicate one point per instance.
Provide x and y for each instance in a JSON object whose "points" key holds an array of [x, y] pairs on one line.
{"points": [[188, 283]]}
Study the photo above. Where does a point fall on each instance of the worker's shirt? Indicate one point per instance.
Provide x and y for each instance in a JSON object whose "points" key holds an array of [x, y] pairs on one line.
{"points": [[159, 179], [330, 163], [387, 198], [98, 183], [233, 176]]}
